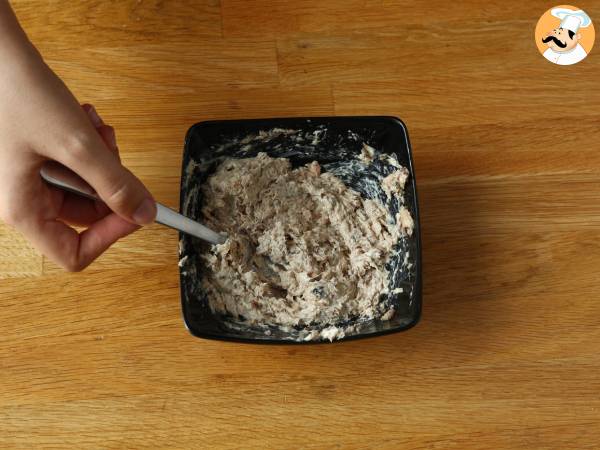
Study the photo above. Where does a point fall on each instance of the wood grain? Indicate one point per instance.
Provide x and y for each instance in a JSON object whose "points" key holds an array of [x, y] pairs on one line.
{"points": [[278, 18], [506, 148]]}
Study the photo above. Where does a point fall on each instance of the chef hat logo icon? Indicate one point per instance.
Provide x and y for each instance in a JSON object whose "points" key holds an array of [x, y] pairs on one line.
{"points": [[565, 35]]}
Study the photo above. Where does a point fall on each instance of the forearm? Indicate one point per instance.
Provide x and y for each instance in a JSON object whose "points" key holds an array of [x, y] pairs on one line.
{"points": [[14, 44]]}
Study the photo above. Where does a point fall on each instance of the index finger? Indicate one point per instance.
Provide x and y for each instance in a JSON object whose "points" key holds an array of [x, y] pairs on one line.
{"points": [[72, 250]]}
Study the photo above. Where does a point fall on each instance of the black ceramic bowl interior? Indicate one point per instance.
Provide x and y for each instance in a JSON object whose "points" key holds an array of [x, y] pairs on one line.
{"points": [[328, 140]]}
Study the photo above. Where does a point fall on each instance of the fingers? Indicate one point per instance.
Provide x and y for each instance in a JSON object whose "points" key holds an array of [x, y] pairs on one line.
{"points": [[86, 154], [43, 224], [79, 211], [106, 132], [74, 209], [101, 235], [72, 250], [93, 115]]}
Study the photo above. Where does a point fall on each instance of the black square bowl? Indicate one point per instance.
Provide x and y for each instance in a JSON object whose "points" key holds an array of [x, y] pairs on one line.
{"points": [[327, 140]]}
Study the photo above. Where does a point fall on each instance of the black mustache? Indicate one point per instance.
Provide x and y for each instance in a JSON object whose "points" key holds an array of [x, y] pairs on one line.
{"points": [[556, 41]]}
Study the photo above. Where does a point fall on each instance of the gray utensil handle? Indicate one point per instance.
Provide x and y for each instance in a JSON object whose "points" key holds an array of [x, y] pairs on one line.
{"points": [[167, 216]]}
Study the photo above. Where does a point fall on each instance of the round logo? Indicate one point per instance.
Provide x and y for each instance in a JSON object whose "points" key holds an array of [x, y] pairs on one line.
{"points": [[564, 35]]}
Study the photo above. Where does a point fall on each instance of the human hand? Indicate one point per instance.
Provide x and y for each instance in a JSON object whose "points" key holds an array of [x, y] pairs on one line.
{"points": [[41, 120]]}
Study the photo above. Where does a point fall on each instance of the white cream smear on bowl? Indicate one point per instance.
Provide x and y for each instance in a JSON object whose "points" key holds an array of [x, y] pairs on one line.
{"points": [[304, 250]]}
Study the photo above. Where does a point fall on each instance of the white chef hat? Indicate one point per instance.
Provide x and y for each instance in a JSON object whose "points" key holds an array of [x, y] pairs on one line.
{"points": [[571, 19]]}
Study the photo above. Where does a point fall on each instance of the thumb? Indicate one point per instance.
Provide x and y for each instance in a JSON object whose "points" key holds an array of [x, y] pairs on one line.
{"points": [[121, 190]]}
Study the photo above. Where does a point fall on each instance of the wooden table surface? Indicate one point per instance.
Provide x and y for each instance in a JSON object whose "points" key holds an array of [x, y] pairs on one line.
{"points": [[507, 153]]}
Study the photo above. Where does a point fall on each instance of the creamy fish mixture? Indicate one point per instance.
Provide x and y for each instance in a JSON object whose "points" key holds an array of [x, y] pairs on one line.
{"points": [[303, 249]]}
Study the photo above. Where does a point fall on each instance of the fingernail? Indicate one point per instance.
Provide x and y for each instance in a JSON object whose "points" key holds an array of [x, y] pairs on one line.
{"points": [[94, 117], [145, 213]]}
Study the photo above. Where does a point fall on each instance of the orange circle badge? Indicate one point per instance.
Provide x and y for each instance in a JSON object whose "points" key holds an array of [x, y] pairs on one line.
{"points": [[564, 35]]}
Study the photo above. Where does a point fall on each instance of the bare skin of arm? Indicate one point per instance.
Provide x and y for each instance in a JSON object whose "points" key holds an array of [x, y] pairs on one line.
{"points": [[40, 120]]}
